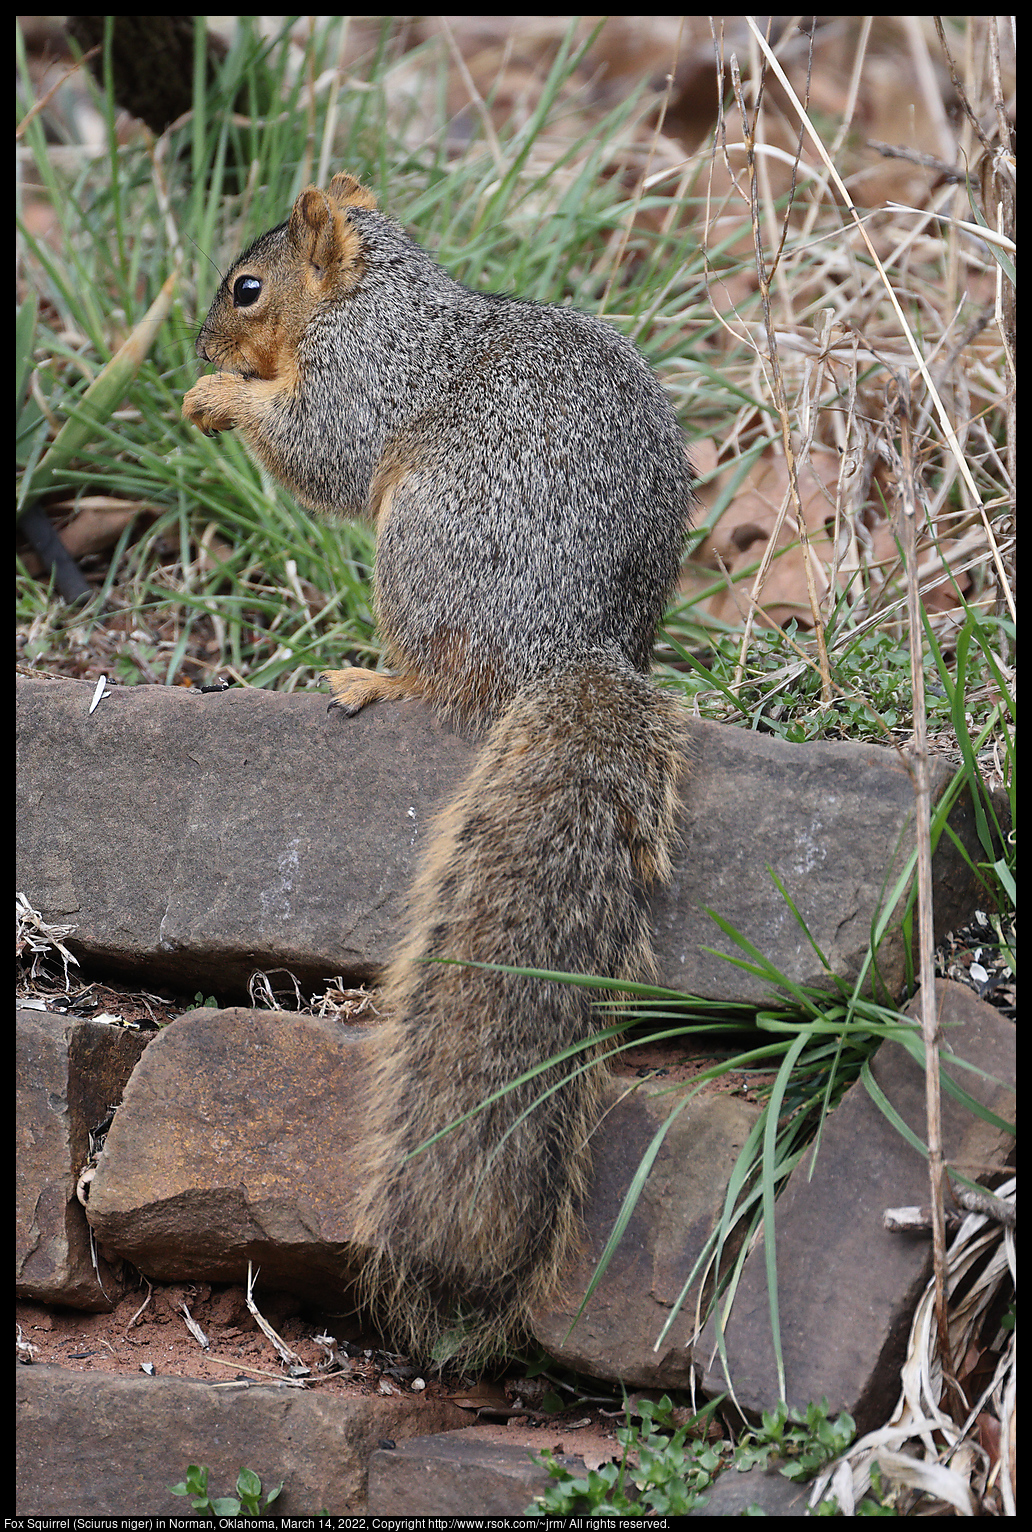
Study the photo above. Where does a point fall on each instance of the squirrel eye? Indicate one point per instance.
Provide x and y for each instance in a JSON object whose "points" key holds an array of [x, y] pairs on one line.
{"points": [[246, 291]]}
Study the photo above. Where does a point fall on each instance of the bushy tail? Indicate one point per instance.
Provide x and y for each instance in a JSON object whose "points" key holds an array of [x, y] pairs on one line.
{"points": [[542, 860]]}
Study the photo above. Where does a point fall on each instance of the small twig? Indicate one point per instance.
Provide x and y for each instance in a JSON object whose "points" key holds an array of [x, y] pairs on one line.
{"points": [[910, 1220], [1001, 178], [139, 1311], [289, 1358], [916, 157], [195, 1329], [261, 1372], [983, 1202]]}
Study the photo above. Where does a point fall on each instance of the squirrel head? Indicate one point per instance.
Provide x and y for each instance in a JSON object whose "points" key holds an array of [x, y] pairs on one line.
{"points": [[262, 309]]}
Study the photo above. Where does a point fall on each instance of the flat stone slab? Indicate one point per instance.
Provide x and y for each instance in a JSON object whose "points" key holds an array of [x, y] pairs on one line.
{"points": [[191, 839], [463, 1476], [92, 1444]]}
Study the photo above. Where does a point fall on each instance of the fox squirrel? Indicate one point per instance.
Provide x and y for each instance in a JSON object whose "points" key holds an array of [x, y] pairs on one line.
{"points": [[532, 493]]}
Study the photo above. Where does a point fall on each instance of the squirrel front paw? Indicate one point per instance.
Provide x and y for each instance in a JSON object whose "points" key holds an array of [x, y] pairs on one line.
{"points": [[212, 403], [354, 688]]}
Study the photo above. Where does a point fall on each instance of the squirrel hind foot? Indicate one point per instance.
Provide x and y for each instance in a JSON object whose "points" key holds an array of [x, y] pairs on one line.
{"points": [[354, 688]]}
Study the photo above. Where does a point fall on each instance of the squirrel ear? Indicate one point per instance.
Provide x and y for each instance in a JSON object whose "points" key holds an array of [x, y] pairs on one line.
{"points": [[345, 191], [323, 238], [309, 216]]}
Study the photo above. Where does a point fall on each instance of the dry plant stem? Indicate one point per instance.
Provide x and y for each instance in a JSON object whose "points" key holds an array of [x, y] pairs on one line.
{"points": [[139, 1311], [928, 86], [260, 1372], [781, 402], [476, 100], [324, 170], [996, 1208], [38, 106], [998, 195], [194, 1328], [639, 190], [844, 126], [899, 399], [948, 174], [1003, 182], [958, 86], [308, 156], [289, 1358], [1003, 126]]}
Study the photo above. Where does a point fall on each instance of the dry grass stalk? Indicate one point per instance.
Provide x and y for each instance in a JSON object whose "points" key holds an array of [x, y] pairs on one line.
{"points": [[781, 402], [918, 764]]}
